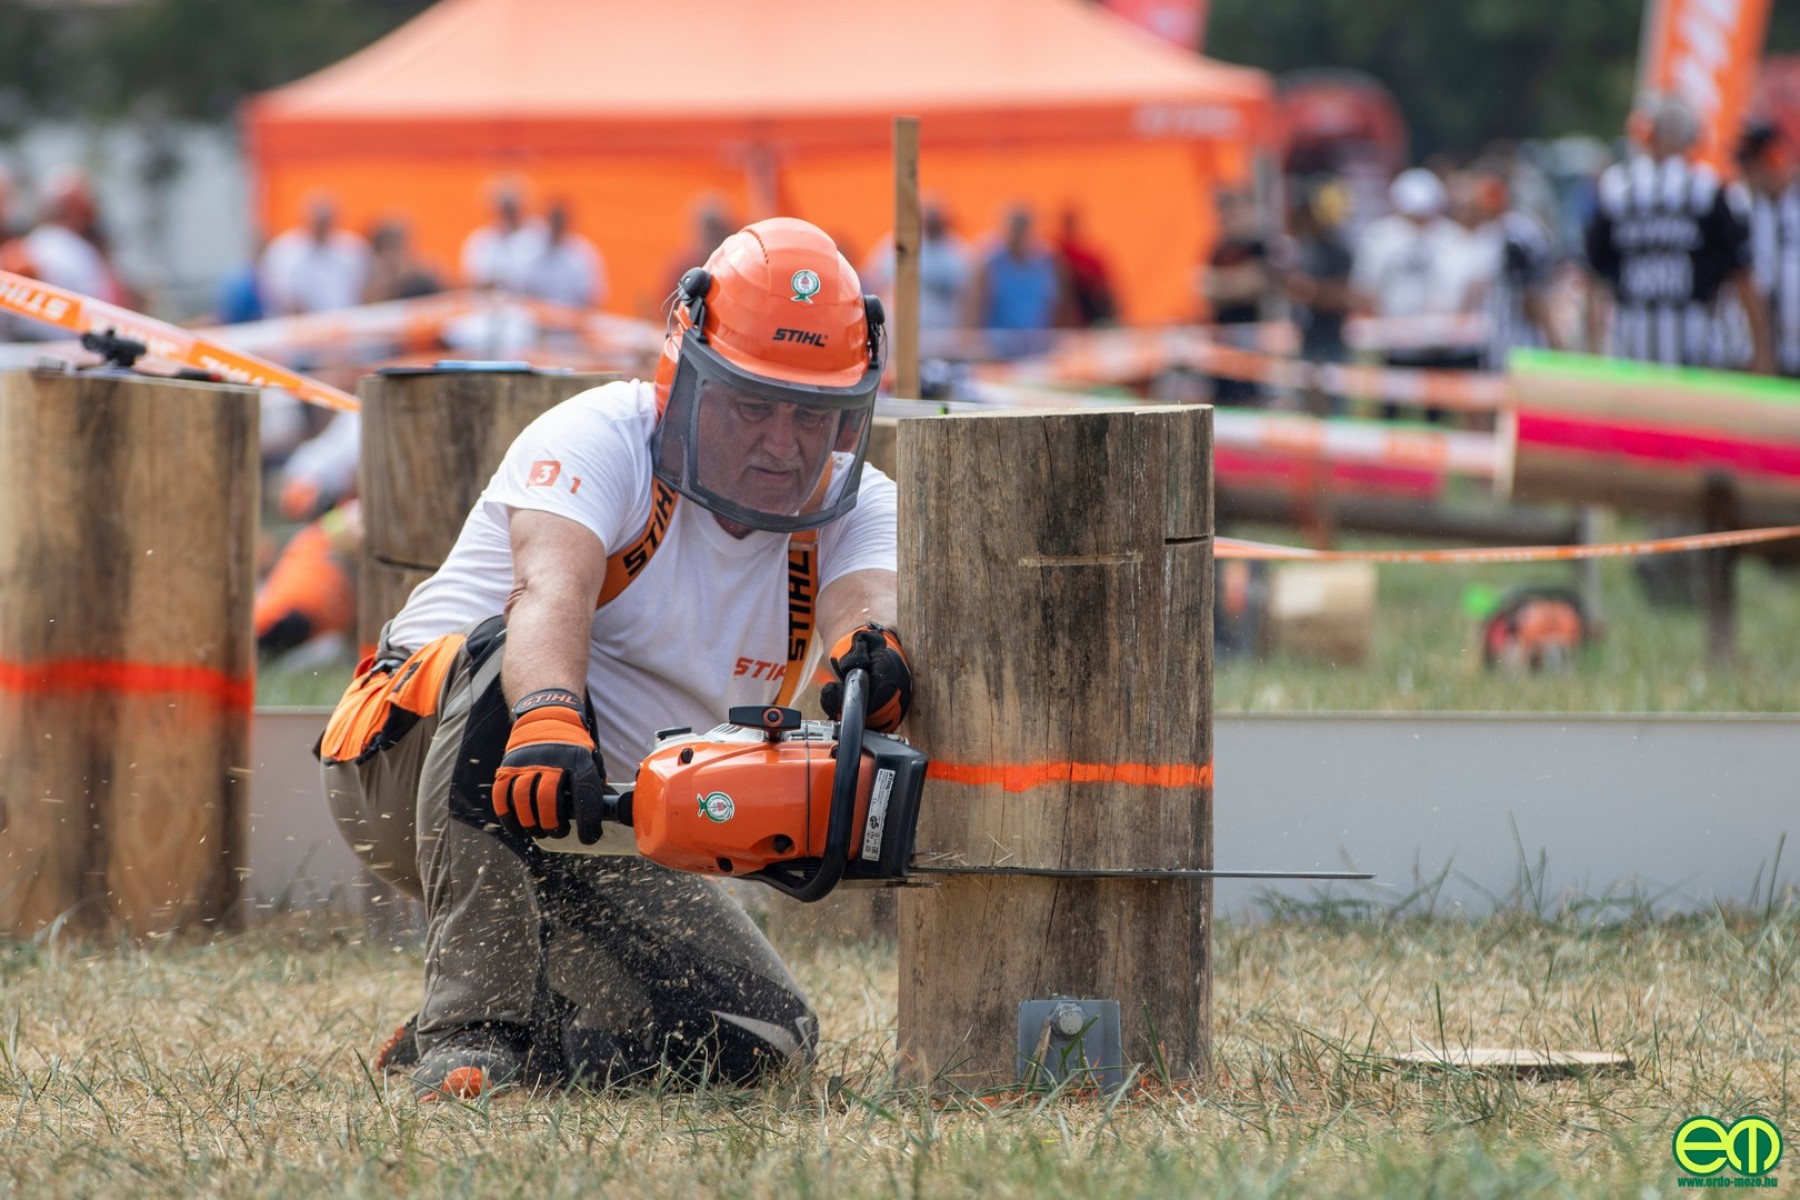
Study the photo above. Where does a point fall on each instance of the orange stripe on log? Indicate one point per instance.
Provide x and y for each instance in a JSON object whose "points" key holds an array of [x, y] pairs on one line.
{"points": [[1019, 777], [89, 675]]}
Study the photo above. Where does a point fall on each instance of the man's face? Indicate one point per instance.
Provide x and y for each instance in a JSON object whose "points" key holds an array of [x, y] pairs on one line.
{"points": [[760, 453]]}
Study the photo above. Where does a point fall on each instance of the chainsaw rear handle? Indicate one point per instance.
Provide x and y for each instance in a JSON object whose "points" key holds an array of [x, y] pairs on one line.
{"points": [[844, 780]]}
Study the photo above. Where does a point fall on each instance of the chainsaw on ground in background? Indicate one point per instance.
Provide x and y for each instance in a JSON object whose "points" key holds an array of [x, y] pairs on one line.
{"points": [[803, 806]]}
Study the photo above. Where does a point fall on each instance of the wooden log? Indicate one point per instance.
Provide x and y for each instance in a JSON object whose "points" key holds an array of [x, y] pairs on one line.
{"points": [[1056, 594], [431, 440], [128, 512]]}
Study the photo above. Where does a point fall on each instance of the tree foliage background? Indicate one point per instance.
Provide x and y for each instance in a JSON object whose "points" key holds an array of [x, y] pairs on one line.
{"points": [[1469, 72], [173, 58]]}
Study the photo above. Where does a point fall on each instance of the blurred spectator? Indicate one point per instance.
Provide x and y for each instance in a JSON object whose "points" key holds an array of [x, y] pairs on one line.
{"points": [[1663, 243], [1517, 278], [316, 267], [1319, 283], [494, 255], [239, 296], [310, 593], [1089, 278], [710, 221], [1018, 291], [1767, 161], [395, 272], [1415, 262], [1237, 281], [565, 268], [60, 251], [944, 271], [321, 471]]}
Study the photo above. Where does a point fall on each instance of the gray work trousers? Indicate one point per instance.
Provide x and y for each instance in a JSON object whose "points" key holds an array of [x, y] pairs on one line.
{"points": [[629, 968]]}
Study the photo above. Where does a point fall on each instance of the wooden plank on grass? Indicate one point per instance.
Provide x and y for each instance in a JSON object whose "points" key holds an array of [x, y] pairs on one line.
{"points": [[1513, 1060]]}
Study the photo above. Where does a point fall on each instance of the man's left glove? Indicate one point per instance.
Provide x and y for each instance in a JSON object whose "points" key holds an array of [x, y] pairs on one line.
{"points": [[876, 649], [552, 773]]}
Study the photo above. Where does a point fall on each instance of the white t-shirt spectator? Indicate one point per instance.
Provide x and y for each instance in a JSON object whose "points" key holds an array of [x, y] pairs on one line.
{"points": [[302, 275], [493, 257], [1412, 270], [63, 257], [567, 271], [60, 256]]}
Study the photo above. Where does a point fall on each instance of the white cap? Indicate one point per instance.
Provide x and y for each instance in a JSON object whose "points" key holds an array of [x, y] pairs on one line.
{"points": [[1417, 193]]}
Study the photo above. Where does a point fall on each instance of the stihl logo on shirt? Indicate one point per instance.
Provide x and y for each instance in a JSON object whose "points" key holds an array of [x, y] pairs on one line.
{"points": [[755, 668], [543, 473]]}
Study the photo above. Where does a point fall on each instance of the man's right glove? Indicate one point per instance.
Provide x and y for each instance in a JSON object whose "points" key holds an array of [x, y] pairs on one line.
{"points": [[552, 774], [876, 649]]}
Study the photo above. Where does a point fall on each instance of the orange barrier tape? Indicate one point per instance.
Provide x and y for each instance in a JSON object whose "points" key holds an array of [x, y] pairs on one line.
{"points": [[1238, 548], [1139, 354], [1019, 777], [171, 343], [368, 333], [93, 675]]}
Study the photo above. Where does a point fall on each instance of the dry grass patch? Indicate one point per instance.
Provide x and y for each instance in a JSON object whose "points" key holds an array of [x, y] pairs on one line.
{"points": [[237, 1067]]}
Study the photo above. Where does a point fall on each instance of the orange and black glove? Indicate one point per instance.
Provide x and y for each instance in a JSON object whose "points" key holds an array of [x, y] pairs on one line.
{"points": [[552, 774], [876, 649]]}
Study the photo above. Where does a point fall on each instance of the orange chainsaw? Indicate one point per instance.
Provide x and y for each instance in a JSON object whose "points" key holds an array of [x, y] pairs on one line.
{"points": [[804, 806], [799, 805]]}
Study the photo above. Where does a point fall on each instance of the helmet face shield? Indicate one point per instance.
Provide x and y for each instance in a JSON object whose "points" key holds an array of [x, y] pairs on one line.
{"points": [[762, 452]]}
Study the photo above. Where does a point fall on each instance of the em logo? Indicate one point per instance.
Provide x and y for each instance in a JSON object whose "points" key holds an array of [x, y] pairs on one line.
{"points": [[1704, 1146]]}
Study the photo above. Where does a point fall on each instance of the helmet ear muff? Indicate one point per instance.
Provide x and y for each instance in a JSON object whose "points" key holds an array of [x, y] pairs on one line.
{"points": [[876, 315], [695, 283]]}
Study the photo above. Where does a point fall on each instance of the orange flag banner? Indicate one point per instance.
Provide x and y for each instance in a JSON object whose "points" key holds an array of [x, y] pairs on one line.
{"points": [[1705, 51]]}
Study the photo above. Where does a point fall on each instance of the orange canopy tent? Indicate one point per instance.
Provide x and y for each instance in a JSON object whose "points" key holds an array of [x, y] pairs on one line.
{"points": [[635, 112]]}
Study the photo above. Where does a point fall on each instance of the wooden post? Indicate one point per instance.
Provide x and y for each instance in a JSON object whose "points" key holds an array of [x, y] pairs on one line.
{"points": [[1056, 598], [128, 514], [430, 442], [905, 320]]}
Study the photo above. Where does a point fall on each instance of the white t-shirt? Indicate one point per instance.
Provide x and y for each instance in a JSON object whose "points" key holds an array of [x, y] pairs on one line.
{"points": [[60, 256], [702, 628], [498, 258], [301, 275], [568, 271], [1413, 271]]}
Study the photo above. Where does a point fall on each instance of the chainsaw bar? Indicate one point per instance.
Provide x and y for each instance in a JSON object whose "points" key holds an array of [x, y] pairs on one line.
{"points": [[1133, 873]]}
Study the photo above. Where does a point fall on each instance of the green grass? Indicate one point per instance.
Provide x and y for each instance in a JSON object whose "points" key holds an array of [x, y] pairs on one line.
{"points": [[237, 1067], [1424, 656]]}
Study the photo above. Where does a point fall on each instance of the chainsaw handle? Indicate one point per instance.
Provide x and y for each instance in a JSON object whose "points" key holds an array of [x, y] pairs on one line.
{"points": [[844, 780]]}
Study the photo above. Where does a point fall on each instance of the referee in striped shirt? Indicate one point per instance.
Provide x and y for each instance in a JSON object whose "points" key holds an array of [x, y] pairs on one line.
{"points": [[1665, 240], [1766, 160]]}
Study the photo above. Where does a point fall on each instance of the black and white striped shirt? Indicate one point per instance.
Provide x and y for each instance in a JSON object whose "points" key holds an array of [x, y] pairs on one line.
{"points": [[1666, 237], [1775, 269], [1522, 263]]}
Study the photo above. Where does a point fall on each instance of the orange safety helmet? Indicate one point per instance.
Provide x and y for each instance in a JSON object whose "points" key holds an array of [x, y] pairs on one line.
{"points": [[767, 380]]}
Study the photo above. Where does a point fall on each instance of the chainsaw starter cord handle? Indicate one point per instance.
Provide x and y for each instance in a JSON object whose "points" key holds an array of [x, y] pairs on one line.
{"points": [[844, 781]]}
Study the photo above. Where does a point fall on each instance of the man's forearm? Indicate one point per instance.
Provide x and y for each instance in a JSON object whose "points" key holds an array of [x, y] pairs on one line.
{"points": [[547, 631], [856, 599]]}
